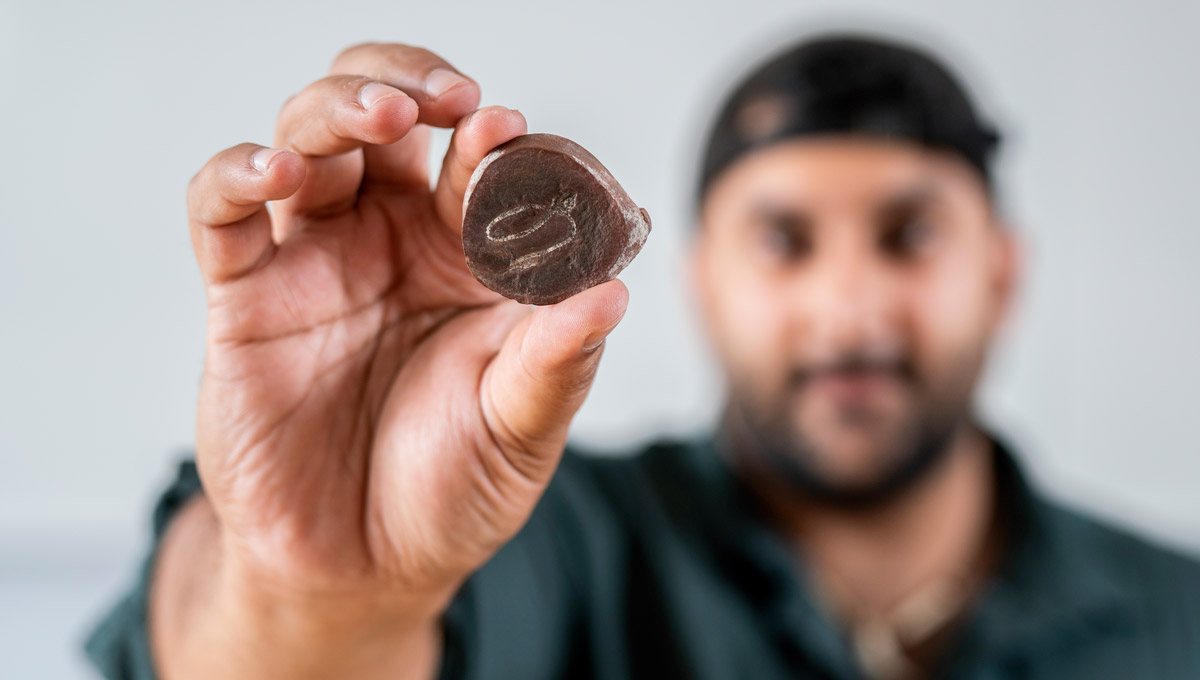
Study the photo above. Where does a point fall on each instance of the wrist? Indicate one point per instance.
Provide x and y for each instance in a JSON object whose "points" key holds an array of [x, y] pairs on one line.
{"points": [[275, 628]]}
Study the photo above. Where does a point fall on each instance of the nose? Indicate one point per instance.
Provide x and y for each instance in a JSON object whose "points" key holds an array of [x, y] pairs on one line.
{"points": [[846, 301]]}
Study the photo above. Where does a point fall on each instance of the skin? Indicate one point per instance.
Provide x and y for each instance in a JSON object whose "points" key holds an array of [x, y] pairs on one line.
{"points": [[851, 289], [818, 251], [372, 422]]}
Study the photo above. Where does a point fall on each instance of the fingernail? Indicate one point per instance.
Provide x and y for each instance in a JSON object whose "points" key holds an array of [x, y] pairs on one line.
{"points": [[262, 158], [593, 341], [373, 92], [442, 80]]}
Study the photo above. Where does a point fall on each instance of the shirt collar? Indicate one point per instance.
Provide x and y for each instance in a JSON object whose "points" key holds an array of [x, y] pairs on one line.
{"points": [[1049, 581]]}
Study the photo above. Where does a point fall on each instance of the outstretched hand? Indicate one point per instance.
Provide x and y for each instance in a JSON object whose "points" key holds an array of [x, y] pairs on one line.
{"points": [[371, 419]]}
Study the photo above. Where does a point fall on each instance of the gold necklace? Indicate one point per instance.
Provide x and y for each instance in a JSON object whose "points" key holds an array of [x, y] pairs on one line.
{"points": [[883, 642]]}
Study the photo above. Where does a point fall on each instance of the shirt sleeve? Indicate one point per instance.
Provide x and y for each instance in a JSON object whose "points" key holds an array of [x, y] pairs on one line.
{"points": [[514, 617], [119, 647]]}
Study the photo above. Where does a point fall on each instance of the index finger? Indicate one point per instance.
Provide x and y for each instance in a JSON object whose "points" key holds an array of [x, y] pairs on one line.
{"points": [[443, 94]]}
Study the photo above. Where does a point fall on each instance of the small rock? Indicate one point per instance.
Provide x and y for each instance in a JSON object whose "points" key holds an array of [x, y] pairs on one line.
{"points": [[544, 220]]}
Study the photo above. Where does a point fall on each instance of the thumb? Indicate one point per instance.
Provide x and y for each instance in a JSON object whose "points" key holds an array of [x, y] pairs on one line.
{"points": [[542, 374]]}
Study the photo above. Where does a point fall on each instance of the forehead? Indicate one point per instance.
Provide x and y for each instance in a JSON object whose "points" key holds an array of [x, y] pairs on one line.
{"points": [[842, 172]]}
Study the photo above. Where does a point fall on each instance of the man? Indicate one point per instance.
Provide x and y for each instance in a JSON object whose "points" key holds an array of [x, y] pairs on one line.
{"points": [[380, 489]]}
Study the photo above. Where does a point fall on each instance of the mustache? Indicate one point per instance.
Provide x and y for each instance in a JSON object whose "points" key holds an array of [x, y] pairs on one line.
{"points": [[899, 367]]}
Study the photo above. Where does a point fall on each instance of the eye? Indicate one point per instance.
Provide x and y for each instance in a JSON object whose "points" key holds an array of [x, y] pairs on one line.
{"points": [[906, 235], [784, 237]]}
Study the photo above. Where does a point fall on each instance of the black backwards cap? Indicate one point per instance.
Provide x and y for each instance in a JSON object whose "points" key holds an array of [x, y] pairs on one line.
{"points": [[845, 84]]}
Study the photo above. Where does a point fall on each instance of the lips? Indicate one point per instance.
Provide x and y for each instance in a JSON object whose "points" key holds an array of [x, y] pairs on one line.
{"points": [[852, 386]]}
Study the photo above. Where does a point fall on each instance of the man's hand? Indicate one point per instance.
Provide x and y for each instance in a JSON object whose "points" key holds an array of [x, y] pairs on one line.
{"points": [[373, 423]]}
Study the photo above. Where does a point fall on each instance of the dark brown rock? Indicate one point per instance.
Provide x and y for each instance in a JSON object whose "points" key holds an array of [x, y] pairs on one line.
{"points": [[544, 220]]}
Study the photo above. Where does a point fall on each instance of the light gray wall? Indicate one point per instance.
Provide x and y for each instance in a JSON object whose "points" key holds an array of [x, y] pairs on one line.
{"points": [[106, 112]]}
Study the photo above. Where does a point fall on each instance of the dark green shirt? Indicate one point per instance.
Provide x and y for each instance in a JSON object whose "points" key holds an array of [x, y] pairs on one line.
{"points": [[658, 566]]}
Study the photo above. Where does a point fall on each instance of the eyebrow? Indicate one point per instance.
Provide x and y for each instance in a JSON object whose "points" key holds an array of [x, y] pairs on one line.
{"points": [[915, 196], [768, 210], [920, 194]]}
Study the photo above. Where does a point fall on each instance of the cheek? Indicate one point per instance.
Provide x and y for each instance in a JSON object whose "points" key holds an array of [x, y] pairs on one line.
{"points": [[951, 307], [749, 320]]}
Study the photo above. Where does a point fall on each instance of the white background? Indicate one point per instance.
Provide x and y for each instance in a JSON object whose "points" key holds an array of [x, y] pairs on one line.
{"points": [[107, 109]]}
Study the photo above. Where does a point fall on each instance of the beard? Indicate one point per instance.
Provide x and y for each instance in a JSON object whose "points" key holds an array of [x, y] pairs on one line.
{"points": [[772, 440]]}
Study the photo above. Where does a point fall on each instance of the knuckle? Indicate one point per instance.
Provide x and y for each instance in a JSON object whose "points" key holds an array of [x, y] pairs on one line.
{"points": [[193, 184], [403, 56], [284, 124], [201, 182], [559, 377], [316, 95], [288, 104], [420, 54], [212, 177], [575, 383], [191, 194], [351, 52]]}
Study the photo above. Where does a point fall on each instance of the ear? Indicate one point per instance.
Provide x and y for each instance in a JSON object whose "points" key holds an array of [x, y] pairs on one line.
{"points": [[1007, 272]]}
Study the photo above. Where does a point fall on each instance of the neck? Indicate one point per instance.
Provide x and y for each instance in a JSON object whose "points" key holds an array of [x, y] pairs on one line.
{"points": [[868, 561]]}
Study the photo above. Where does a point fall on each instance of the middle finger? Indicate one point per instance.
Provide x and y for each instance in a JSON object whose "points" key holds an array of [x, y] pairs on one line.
{"points": [[328, 123]]}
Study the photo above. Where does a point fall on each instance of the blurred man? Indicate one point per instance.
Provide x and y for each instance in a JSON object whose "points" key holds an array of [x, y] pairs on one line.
{"points": [[380, 488]]}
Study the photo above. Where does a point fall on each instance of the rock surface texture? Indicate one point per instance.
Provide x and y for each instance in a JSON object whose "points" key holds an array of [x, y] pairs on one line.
{"points": [[544, 220]]}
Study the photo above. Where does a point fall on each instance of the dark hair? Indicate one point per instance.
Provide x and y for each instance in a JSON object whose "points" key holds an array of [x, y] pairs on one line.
{"points": [[849, 84]]}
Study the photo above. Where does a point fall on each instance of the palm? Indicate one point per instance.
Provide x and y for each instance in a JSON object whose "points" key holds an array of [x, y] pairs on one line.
{"points": [[311, 349]]}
